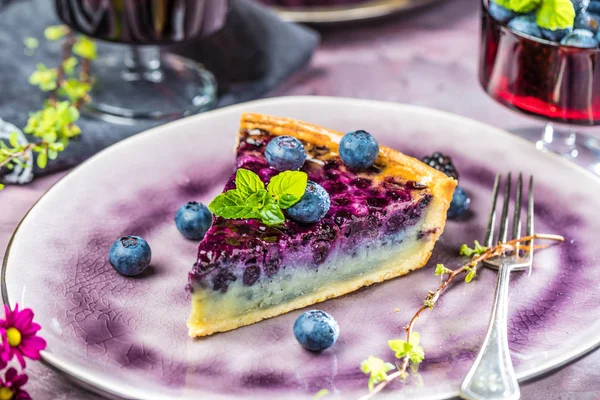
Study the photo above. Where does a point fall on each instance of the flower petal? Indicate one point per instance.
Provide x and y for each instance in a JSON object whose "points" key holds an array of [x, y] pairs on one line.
{"points": [[23, 319], [19, 357], [20, 380], [10, 374]]}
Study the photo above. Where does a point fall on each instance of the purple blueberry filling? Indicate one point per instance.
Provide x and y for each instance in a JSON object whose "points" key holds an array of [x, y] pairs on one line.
{"points": [[363, 207]]}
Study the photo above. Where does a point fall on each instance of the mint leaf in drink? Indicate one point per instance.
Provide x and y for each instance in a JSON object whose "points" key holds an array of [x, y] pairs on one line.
{"points": [[288, 187], [555, 14], [519, 6], [247, 182]]}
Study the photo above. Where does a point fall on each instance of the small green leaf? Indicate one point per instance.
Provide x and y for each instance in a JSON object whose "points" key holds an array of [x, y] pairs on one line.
{"points": [[412, 350], [320, 394], [440, 269], [467, 251], [247, 182], [52, 154], [44, 78], [555, 14], [85, 47], [13, 139], [69, 65], [74, 90], [519, 6], [31, 43], [288, 187], [471, 273], [231, 205], [42, 160], [1, 186], [271, 213], [377, 370], [55, 32]]}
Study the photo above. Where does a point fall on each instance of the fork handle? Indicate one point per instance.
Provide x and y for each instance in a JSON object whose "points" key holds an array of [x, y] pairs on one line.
{"points": [[492, 376]]}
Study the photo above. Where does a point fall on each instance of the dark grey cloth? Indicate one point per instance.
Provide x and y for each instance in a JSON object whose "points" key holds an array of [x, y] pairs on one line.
{"points": [[252, 54]]}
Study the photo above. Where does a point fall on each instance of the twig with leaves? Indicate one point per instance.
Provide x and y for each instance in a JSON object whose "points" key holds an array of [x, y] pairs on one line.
{"points": [[408, 351], [55, 124]]}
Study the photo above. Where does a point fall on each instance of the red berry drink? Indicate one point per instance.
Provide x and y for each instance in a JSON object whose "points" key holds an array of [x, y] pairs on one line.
{"points": [[539, 77]]}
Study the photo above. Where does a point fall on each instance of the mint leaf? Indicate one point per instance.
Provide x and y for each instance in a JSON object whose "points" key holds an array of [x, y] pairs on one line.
{"points": [[247, 182], [555, 14], [288, 187], [257, 200], [271, 213], [231, 205], [519, 6]]}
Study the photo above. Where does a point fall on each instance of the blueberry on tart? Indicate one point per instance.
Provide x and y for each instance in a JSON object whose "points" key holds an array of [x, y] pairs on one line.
{"points": [[373, 224]]}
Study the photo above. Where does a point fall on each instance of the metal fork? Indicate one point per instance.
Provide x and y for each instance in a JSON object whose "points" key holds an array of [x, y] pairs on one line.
{"points": [[492, 376]]}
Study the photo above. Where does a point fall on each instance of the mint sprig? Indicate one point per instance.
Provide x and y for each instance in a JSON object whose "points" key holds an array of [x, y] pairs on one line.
{"points": [[519, 6], [555, 14], [250, 199]]}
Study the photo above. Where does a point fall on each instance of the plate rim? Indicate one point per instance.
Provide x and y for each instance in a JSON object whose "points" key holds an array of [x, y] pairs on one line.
{"points": [[349, 13], [98, 383]]}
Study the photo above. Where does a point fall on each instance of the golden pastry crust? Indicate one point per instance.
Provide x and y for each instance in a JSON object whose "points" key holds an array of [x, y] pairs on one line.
{"points": [[394, 163]]}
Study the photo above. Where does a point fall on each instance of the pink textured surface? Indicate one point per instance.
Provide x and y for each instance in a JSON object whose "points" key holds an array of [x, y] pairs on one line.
{"points": [[427, 58]]}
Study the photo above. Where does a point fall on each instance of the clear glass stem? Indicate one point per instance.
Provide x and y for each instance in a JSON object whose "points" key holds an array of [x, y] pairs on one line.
{"points": [[559, 141], [143, 63]]}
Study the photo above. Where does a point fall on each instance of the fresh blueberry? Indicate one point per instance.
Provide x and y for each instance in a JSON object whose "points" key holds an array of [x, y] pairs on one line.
{"points": [[525, 24], [500, 13], [594, 7], [130, 255], [358, 149], [580, 38], [193, 220], [460, 203], [555, 35], [586, 20], [285, 153], [316, 330], [313, 205]]}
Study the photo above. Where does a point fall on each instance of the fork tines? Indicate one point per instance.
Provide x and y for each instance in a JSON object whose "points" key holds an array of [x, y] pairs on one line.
{"points": [[502, 234]]}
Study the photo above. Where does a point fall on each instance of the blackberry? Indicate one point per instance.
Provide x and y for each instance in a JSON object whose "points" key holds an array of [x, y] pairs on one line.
{"points": [[442, 163]]}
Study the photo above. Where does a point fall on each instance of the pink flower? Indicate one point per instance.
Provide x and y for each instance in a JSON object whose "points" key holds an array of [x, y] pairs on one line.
{"points": [[19, 337], [11, 387]]}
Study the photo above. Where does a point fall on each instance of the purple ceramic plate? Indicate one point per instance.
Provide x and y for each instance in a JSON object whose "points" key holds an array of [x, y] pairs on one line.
{"points": [[127, 336]]}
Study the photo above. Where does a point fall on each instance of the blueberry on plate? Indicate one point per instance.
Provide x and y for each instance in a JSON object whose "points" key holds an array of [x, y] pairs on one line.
{"points": [[285, 153], [499, 13], [460, 203], [316, 330], [586, 20], [525, 24], [580, 38], [555, 35], [358, 149], [130, 255], [313, 205], [193, 220]]}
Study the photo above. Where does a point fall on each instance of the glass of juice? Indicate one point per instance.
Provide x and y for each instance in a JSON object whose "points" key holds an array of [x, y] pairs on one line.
{"points": [[557, 83]]}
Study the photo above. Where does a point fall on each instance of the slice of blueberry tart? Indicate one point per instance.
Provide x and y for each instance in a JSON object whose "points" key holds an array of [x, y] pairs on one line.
{"points": [[311, 214]]}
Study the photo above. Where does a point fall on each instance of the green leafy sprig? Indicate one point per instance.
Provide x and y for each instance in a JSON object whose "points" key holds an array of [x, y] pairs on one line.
{"points": [[549, 14], [250, 199], [68, 90], [408, 351]]}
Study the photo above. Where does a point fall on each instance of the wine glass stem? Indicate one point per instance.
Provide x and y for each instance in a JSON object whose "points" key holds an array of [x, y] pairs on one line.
{"points": [[559, 141], [143, 63]]}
